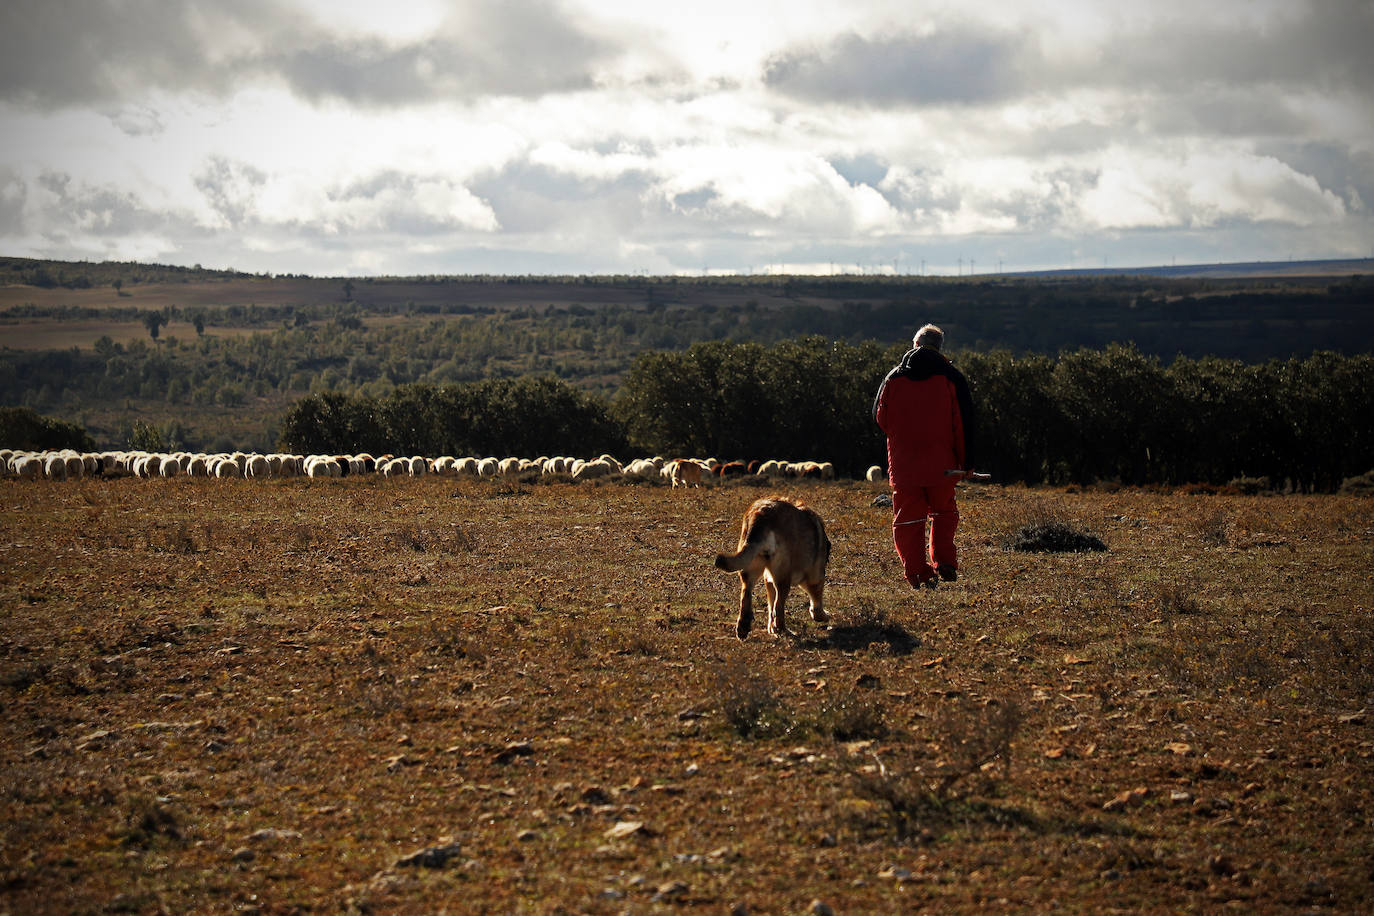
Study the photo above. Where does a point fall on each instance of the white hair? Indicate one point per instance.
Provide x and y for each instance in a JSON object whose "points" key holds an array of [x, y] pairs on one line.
{"points": [[929, 336]]}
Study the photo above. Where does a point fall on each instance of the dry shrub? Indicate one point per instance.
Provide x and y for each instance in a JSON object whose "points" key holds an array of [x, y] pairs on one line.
{"points": [[1249, 670], [1214, 529], [1178, 598], [454, 641], [1044, 531], [172, 537], [638, 642], [573, 637], [421, 539], [970, 738], [852, 715], [149, 820], [749, 703]]}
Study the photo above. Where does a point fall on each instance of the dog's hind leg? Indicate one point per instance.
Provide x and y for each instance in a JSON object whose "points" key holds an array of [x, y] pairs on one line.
{"points": [[777, 600], [815, 591], [746, 605]]}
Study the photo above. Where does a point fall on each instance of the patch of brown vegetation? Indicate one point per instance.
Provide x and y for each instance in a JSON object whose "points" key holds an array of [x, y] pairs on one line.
{"points": [[407, 696]]}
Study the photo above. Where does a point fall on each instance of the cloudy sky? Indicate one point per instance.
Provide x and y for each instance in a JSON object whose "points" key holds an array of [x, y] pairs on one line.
{"points": [[337, 137]]}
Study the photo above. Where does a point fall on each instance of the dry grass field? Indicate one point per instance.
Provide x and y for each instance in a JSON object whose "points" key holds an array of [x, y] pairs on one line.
{"points": [[425, 696]]}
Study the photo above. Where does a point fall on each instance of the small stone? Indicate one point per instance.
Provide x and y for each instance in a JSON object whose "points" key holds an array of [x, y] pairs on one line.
{"points": [[671, 891], [243, 854], [526, 836], [513, 750], [624, 829], [433, 857], [895, 873], [820, 907]]}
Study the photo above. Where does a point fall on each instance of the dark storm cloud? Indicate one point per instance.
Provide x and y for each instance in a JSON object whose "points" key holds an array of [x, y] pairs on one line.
{"points": [[70, 52], [1320, 46], [57, 53], [1216, 77], [960, 66], [521, 49]]}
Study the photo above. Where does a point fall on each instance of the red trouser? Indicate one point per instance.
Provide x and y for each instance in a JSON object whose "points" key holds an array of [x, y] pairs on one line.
{"points": [[911, 508]]}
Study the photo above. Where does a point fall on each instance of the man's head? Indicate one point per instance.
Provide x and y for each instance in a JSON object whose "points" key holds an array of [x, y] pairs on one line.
{"points": [[929, 336]]}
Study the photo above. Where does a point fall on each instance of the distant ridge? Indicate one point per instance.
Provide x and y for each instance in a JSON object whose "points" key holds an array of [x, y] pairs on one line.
{"points": [[1237, 270]]}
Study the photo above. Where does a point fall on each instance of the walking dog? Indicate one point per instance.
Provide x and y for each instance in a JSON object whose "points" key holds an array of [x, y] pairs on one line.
{"points": [[783, 542]]}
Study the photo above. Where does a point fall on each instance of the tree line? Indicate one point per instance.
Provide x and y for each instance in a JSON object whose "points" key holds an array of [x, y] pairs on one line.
{"points": [[1084, 416]]}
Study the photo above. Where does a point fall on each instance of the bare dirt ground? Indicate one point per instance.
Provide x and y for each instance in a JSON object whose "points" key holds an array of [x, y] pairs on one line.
{"points": [[429, 695]]}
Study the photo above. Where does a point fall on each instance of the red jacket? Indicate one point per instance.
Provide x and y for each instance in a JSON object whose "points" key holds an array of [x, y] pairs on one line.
{"points": [[924, 408]]}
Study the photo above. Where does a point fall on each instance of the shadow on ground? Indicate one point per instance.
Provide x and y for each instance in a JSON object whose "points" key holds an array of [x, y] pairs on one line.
{"points": [[863, 636]]}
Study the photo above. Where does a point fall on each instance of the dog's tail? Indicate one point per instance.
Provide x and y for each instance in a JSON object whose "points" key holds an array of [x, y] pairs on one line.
{"points": [[753, 543]]}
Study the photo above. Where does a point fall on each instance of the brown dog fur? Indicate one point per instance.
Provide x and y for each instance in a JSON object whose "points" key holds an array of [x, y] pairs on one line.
{"points": [[783, 542]]}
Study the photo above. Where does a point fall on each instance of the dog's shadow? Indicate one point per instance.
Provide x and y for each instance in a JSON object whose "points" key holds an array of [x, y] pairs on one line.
{"points": [[864, 635]]}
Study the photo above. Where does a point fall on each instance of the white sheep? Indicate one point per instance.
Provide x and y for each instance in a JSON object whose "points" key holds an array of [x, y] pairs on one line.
{"points": [[225, 467], [593, 470], [257, 467], [641, 469], [27, 467]]}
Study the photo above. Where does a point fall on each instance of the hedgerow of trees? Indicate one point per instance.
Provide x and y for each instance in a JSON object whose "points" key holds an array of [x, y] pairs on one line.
{"points": [[21, 428], [527, 417], [1083, 417]]}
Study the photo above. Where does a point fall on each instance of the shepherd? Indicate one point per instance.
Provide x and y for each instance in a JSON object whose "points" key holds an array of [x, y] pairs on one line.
{"points": [[925, 409]]}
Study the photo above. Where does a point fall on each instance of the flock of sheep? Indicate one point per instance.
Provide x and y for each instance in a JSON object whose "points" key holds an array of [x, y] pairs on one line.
{"points": [[68, 464]]}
